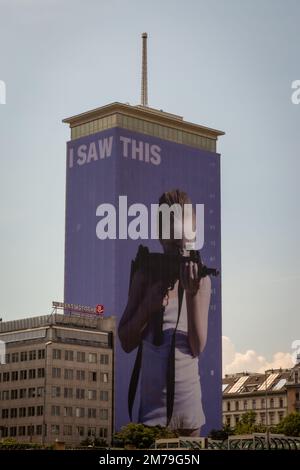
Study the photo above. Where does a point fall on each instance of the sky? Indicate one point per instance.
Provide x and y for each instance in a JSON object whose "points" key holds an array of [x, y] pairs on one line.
{"points": [[226, 64]]}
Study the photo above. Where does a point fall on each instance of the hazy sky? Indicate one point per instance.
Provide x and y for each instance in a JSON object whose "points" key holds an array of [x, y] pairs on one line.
{"points": [[227, 64]]}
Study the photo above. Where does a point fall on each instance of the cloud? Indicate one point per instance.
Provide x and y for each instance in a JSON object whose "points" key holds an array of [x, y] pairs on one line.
{"points": [[251, 361]]}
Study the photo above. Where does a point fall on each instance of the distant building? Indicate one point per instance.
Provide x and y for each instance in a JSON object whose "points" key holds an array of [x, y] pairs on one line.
{"points": [[271, 396], [58, 380]]}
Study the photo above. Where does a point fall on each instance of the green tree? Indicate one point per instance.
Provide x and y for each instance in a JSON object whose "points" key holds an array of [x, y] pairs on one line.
{"points": [[140, 436], [246, 424], [290, 425]]}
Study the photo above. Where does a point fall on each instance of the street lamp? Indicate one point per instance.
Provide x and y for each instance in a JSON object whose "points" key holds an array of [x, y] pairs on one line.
{"points": [[45, 394], [266, 407]]}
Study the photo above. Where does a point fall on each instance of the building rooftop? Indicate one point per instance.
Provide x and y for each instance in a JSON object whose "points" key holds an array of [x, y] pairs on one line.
{"points": [[244, 382], [144, 113]]}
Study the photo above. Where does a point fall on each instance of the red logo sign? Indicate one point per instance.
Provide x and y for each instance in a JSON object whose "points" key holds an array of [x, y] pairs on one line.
{"points": [[100, 309]]}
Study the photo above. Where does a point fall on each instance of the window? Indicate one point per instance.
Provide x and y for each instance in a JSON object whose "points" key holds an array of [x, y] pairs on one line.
{"points": [[103, 433], [56, 354], [262, 405], [30, 430], [54, 429], [31, 393], [262, 418], [5, 413], [55, 392], [22, 430], [93, 357], [5, 376], [104, 359], [32, 355], [5, 395], [23, 374], [40, 391], [23, 392], [55, 410], [104, 414], [272, 403], [91, 412], [79, 412], [253, 404], [69, 355], [39, 429], [31, 411], [80, 375], [13, 394], [14, 375], [92, 394], [80, 356], [68, 411], [281, 402], [245, 404], [22, 412], [80, 430], [104, 395], [80, 393], [228, 406], [104, 377], [23, 356], [67, 430], [236, 418], [68, 392], [41, 354], [14, 412], [31, 374], [4, 431], [41, 373], [236, 405], [39, 410], [13, 431], [69, 374], [228, 420], [7, 358], [91, 432], [271, 416], [92, 376], [56, 372], [15, 357]]}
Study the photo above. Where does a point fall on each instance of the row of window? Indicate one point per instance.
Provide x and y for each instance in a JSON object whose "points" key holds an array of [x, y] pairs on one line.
{"points": [[66, 392], [56, 354], [22, 412], [22, 375], [235, 406], [232, 420], [66, 411], [69, 411], [80, 356], [67, 430], [68, 374], [25, 356], [78, 393]]}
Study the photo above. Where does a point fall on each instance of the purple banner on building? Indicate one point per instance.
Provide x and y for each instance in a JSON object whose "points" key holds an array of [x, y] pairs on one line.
{"points": [[117, 182]]}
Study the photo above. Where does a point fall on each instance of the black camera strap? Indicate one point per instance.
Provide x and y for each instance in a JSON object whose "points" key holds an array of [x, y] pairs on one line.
{"points": [[170, 377], [171, 362]]}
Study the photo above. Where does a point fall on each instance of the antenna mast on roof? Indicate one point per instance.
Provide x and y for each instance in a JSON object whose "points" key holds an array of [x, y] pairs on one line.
{"points": [[144, 84]]}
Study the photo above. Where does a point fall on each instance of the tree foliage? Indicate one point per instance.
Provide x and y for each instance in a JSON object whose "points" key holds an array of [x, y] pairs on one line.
{"points": [[290, 425], [141, 436]]}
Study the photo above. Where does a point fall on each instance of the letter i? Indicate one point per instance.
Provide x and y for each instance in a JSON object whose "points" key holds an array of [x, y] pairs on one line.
{"points": [[71, 158], [147, 152]]}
